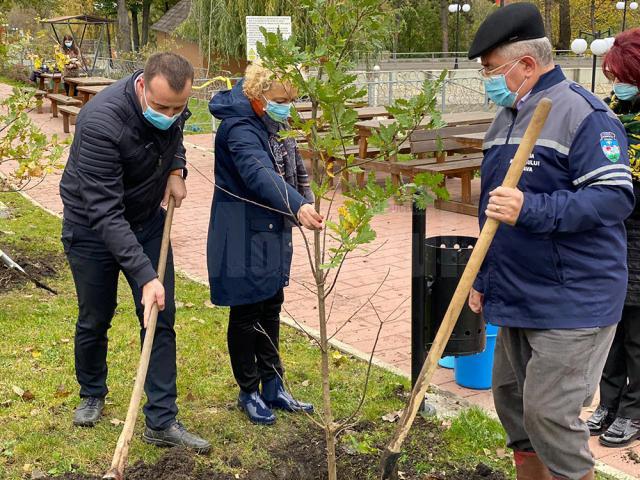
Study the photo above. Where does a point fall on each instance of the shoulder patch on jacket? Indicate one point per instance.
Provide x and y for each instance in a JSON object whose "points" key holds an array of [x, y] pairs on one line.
{"points": [[591, 99]]}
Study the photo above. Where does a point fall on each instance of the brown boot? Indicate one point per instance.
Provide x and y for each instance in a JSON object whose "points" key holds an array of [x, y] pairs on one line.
{"points": [[589, 476], [530, 467]]}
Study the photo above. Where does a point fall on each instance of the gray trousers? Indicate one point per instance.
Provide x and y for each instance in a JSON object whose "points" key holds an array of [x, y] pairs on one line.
{"points": [[541, 381]]}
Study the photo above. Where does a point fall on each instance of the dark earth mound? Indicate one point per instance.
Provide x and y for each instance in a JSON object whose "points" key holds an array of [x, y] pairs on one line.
{"points": [[38, 268], [303, 458]]}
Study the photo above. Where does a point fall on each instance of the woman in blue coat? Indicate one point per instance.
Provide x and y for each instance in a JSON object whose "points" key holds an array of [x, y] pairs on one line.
{"points": [[262, 191]]}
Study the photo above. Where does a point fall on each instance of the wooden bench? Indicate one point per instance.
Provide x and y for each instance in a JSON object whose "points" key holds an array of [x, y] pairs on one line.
{"points": [[69, 113], [39, 94], [439, 142], [429, 146], [59, 99], [463, 167]]}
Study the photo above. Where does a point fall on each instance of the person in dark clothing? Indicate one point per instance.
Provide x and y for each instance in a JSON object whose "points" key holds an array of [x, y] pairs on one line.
{"points": [[76, 61], [262, 190], [128, 158], [617, 418]]}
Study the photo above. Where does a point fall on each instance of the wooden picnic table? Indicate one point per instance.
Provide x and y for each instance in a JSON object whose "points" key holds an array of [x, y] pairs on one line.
{"points": [[366, 128], [56, 77], [306, 106], [473, 140], [86, 82], [364, 113], [89, 91]]}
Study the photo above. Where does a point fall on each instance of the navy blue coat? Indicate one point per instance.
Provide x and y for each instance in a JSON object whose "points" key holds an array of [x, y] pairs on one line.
{"points": [[564, 263], [249, 245]]}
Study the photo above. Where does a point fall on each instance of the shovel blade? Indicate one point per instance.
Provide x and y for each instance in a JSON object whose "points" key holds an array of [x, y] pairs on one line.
{"points": [[113, 474]]}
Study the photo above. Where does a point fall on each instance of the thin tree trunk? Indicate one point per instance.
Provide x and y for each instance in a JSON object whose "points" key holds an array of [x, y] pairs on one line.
{"points": [[146, 17], [124, 31], [548, 6], [326, 388], [135, 31], [564, 37], [592, 15], [444, 22]]}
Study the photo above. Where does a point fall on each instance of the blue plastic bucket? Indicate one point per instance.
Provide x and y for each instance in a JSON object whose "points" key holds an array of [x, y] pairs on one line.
{"points": [[446, 362], [474, 371]]}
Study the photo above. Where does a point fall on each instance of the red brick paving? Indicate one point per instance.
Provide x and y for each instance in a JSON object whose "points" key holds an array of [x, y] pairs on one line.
{"points": [[358, 280]]}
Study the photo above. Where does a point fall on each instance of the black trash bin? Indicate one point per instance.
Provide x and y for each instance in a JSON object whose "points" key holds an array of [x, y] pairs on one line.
{"points": [[445, 260]]}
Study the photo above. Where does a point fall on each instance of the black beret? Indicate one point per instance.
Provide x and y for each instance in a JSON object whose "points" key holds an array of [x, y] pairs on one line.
{"points": [[512, 23]]}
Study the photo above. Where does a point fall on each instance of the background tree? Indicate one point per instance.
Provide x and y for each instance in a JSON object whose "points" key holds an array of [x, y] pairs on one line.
{"points": [[124, 30], [564, 25], [444, 24], [134, 7]]}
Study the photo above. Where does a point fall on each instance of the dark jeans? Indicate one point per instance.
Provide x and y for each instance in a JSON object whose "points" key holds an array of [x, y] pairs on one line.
{"points": [[620, 383], [254, 355], [95, 273]]}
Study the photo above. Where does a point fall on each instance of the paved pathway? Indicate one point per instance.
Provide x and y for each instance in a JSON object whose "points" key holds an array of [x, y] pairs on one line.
{"points": [[358, 280]]}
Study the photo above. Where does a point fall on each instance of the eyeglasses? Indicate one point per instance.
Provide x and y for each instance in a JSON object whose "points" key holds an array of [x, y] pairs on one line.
{"points": [[484, 73]]}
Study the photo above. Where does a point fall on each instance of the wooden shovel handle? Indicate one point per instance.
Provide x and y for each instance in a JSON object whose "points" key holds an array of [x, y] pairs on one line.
{"points": [[462, 292], [119, 461]]}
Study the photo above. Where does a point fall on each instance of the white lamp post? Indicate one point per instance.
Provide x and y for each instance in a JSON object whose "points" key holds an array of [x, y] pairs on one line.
{"points": [[599, 46], [456, 8], [622, 5]]}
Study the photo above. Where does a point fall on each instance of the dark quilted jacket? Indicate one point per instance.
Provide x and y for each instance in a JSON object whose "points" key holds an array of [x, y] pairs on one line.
{"points": [[117, 172]]}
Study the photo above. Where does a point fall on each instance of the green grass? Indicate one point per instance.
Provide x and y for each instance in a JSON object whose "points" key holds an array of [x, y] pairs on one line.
{"points": [[36, 354], [14, 83], [200, 120]]}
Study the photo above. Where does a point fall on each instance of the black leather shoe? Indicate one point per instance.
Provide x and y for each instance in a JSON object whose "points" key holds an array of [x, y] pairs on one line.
{"points": [[600, 420], [276, 396], [176, 436], [88, 412], [621, 432]]}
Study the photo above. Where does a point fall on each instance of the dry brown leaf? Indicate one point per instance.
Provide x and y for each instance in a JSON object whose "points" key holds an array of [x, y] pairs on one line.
{"points": [[17, 390], [28, 396], [116, 422], [208, 304], [501, 453], [392, 416], [305, 383], [64, 340], [61, 392]]}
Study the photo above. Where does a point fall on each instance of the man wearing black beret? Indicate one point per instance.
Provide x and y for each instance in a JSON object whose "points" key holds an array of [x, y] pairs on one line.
{"points": [[555, 276]]}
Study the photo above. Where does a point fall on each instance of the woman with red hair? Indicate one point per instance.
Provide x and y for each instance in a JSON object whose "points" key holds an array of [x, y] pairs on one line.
{"points": [[617, 418]]}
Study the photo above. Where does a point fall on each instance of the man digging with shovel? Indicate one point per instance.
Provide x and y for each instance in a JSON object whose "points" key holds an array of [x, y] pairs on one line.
{"points": [[126, 159], [555, 276]]}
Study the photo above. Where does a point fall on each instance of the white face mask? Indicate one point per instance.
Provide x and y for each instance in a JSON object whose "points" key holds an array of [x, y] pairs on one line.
{"points": [[68, 44]]}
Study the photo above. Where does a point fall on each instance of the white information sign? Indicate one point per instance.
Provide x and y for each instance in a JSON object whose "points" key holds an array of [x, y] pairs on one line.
{"points": [[270, 24]]}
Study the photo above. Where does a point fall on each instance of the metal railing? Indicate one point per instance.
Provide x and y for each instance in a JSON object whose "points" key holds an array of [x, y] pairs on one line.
{"points": [[462, 92]]}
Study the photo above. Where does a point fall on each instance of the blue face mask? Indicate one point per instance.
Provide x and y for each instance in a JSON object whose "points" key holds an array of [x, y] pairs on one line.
{"points": [[497, 90], [157, 119], [279, 112], [625, 91]]}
